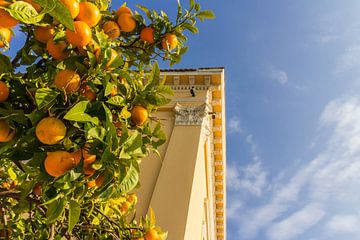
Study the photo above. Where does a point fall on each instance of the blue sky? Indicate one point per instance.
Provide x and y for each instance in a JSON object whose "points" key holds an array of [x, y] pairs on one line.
{"points": [[293, 113]]}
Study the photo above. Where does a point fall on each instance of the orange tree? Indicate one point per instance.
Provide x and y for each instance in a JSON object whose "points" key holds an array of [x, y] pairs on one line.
{"points": [[75, 115]]}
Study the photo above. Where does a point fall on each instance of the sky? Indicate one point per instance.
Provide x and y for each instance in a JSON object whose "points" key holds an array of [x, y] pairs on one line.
{"points": [[293, 113]]}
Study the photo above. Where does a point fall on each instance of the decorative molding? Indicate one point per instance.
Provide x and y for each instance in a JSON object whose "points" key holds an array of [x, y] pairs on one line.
{"points": [[188, 87], [190, 115]]}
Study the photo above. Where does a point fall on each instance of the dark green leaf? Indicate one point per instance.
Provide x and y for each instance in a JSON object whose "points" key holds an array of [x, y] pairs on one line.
{"points": [[5, 65], [54, 210], [44, 97]]}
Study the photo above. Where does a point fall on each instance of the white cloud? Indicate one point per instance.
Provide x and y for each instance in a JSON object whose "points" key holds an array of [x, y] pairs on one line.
{"points": [[297, 223], [279, 75], [234, 125], [328, 183], [343, 224], [349, 60]]}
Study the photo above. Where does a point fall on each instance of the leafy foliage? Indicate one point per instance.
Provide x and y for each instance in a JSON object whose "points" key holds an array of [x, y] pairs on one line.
{"points": [[92, 199]]}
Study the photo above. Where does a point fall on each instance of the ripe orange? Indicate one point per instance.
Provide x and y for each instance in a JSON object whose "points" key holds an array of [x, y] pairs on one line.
{"points": [[111, 29], [35, 5], [126, 22], [6, 185], [67, 80], [50, 130], [122, 10], [91, 184], [99, 180], [82, 35], [7, 21], [6, 34], [37, 190], [4, 3], [139, 115], [44, 34], [169, 41], [77, 156], [86, 91], [88, 160], [147, 35], [73, 6], [112, 58], [152, 234], [58, 163], [125, 207], [4, 92], [132, 198], [6, 133], [89, 13], [57, 49]]}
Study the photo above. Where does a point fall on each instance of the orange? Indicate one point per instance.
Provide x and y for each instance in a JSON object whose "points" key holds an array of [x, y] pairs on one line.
{"points": [[89, 13], [88, 160], [82, 35], [6, 185], [99, 180], [126, 22], [86, 91], [112, 58], [58, 163], [132, 198], [44, 34], [73, 6], [57, 49], [169, 41], [139, 115], [113, 91], [4, 92], [147, 35], [152, 234], [5, 34], [50, 130], [4, 3], [111, 29], [37, 190], [122, 10], [6, 133], [92, 46], [67, 80], [125, 207], [7, 21], [77, 156], [91, 184], [35, 5]]}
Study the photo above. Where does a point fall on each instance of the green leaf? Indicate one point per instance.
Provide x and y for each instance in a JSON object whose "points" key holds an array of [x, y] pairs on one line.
{"points": [[44, 97], [55, 210], [77, 114], [24, 12], [206, 14], [129, 181], [56, 9], [74, 214], [117, 101], [124, 113], [192, 28], [5, 64], [133, 142]]}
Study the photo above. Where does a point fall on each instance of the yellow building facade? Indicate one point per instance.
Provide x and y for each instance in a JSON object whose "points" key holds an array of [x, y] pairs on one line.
{"points": [[186, 186]]}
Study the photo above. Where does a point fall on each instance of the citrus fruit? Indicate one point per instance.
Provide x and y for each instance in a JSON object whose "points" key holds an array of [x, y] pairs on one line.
{"points": [[35, 5], [44, 34], [73, 6], [132, 198], [125, 207], [89, 13], [88, 160], [81, 36], [122, 10], [86, 91], [147, 35], [6, 133], [139, 115], [67, 80], [152, 234], [99, 180], [57, 49], [58, 163], [126, 22], [169, 41], [50, 130], [4, 3], [77, 156], [37, 190], [5, 34], [7, 21], [112, 58], [4, 92], [6, 185], [111, 29]]}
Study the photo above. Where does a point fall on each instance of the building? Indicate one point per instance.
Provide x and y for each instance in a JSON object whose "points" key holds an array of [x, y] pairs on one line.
{"points": [[186, 187]]}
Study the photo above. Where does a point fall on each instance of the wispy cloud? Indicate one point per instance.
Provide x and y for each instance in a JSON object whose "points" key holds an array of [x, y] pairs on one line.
{"points": [[348, 60], [234, 125], [278, 75], [319, 186], [344, 224]]}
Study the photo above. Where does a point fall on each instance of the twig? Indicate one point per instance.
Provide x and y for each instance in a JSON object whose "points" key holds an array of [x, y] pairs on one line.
{"points": [[52, 233], [4, 222]]}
